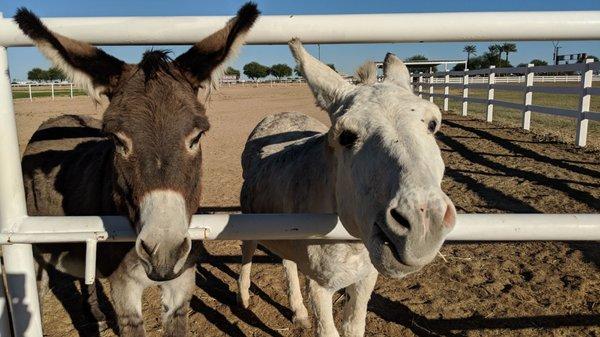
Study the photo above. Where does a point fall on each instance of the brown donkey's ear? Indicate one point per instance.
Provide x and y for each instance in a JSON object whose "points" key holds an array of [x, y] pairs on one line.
{"points": [[206, 59], [83, 63]]}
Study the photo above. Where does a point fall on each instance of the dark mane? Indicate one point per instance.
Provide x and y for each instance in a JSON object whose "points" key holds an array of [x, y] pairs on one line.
{"points": [[154, 61]]}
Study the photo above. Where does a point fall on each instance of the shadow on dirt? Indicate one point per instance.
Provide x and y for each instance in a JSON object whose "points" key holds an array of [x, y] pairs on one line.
{"points": [[422, 326]]}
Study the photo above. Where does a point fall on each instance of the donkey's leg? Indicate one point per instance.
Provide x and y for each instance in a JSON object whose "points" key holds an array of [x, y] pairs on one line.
{"points": [[176, 303], [91, 305], [355, 310], [322, 305], [295, 295], [127, 284], [243, 295]]}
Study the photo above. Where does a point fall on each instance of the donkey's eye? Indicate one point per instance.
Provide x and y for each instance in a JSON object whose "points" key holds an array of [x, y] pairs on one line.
{"points": [[347, 138], [120, 145], [195, 141], [432, 126]]}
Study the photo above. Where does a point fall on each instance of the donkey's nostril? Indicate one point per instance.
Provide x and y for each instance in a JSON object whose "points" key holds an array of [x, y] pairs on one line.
{"points": [[147, 249], [399, 218]]}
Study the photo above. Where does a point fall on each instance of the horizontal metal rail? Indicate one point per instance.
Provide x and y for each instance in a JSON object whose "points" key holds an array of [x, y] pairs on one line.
{"points": [[469, 227], [352, 28]]}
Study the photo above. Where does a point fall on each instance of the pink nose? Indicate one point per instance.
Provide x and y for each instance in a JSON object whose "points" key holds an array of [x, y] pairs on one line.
{"points": [[450, 215]]}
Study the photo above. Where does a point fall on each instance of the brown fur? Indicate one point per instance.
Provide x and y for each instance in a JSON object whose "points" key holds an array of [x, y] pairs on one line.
{"points": [[146, 142]]}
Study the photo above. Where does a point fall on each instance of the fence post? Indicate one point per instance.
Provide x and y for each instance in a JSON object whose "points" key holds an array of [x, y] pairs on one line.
{"points": [[30, 97], [431, 86], [490, 106], [71, 87], [465, 101], [528, 97], [52, 88], [584, 104], [420, 85], [18, 259], [446, 90]]}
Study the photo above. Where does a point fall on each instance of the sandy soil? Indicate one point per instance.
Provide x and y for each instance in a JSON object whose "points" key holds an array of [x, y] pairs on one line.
{"points": [[484, 289]]}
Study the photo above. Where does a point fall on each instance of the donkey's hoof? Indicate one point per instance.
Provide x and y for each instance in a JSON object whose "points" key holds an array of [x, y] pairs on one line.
{"points": [[243, 301], [302, 322]]}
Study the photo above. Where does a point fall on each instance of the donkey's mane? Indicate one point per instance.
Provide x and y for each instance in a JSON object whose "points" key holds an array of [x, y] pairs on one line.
{"points": [[155, 61]]}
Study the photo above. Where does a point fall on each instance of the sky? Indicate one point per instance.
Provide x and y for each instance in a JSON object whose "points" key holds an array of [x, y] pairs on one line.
{"points": [[345, 57]]}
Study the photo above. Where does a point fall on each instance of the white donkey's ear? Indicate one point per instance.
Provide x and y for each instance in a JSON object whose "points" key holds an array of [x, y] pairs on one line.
{"points": [[394, 70], [328, 87]]}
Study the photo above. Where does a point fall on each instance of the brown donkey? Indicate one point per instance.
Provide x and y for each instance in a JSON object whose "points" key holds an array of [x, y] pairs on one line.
{"points": [[143, 160]]}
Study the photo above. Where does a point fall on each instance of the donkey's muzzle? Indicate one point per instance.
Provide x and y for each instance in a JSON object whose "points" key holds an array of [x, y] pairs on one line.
{"points": [[163, 260]]}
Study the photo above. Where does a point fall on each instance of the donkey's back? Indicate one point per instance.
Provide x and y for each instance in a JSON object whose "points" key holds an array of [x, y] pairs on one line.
{"points": [[65, 168]]}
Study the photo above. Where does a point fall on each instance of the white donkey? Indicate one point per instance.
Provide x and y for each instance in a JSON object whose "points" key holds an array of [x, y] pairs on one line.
{"points": [[378, 167]]}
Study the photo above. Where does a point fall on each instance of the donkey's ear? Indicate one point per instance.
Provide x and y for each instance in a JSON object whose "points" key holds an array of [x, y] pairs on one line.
{"points": [[83, 63], [367, 73], [205, 61], [328, 87], [394, 70]]}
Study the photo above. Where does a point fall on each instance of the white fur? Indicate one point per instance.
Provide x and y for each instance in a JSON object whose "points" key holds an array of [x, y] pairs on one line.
{"points": [[395, 163]]}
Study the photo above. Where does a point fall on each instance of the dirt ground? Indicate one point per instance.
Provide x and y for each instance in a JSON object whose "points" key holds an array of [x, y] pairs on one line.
{"points": [[482, 289]]}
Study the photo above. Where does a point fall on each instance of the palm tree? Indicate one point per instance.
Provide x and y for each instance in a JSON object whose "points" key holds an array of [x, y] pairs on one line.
{"points": [[470, 49], [508, 48], [495, 51]]}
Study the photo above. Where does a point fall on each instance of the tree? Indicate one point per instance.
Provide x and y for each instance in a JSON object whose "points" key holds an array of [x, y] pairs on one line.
{"points": [[280, 70], [255, 70], [470, 49], [332, 66], [36, 74], [298, 71], [232, 72], [535, 62], [55, 74], [494, 54], [508, 48]]}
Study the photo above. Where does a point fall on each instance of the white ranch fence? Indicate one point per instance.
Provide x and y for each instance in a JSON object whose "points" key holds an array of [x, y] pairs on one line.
{"points": [[51, 88], [20, 308], [468, 79]]}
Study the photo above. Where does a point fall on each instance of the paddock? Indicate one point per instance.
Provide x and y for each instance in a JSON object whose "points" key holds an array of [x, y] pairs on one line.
{"points": [[571, 188]]}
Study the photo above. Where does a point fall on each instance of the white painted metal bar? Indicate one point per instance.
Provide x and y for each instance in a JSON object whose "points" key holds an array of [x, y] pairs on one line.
{"points": [[528, 98], [90, 260], [421, 85], [364, 28], [584, 104], [560, 227], [489, 116], [4, 313], [71, 89], [30, 97], [18, 259]]}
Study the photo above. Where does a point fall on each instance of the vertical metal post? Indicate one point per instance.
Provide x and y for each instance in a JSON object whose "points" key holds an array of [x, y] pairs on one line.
{"points": [[52, 89], [431, 80], [71, 87], [465, 102], [584, 104], [490, 104], [420, 85], [30, 97], [446, 89], [528, 97], [18, 259], [4, 313], [90, 261]]}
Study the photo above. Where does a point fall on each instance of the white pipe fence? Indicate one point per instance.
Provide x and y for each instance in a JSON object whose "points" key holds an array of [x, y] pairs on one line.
{"points": [[54, 89], [471, 79], [18, 230]]}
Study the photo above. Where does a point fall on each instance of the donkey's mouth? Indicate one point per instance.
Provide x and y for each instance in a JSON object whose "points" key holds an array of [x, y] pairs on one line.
{"points": [[385, 241], [385, 256]]}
